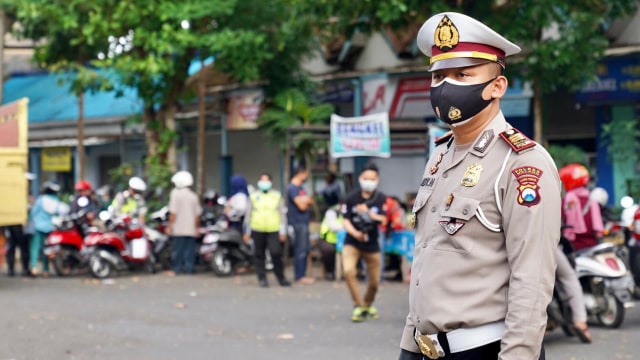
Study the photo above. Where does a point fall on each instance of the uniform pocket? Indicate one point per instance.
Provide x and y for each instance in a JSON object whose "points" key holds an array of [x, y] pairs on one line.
{"points": [[453, 220], [421, 200]]}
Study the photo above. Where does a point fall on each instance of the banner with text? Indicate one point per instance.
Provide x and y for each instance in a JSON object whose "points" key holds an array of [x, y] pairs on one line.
{"points": [[360, 136], [56, 159]]}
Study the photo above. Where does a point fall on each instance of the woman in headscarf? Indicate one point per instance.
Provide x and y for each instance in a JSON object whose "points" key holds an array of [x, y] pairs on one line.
{"points": [[237, 204]]}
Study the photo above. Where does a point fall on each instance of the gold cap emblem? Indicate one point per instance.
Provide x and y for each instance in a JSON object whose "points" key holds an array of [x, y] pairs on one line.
{"points": [[446, 36]]}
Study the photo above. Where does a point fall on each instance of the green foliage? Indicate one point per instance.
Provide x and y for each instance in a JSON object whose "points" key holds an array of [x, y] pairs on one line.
{"points": [[119, 176], [290, 108], [622, 139], [563, 155]]}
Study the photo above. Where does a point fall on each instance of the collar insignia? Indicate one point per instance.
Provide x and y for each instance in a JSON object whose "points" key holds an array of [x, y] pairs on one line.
{"points": [[484, 141], [446, 36]]}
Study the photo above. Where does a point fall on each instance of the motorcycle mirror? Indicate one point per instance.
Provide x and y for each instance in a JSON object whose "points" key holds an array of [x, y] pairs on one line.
{"points": [[222, 200], [82, 201], [626, 202], [104, 215]]}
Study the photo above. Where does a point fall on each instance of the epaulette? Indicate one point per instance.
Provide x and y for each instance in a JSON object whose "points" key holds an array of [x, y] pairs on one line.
{"points": [[517, 140], [444, 138]]}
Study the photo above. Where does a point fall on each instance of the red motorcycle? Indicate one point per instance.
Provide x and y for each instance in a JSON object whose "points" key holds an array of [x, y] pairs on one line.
{"points": [[64, 246], [123, 247]]}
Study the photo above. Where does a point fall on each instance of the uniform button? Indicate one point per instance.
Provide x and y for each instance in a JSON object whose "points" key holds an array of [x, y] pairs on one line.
{"points": [[418, 319], [465, 211], [417, 282], [445, 175], [433, 209], [424, 244]]}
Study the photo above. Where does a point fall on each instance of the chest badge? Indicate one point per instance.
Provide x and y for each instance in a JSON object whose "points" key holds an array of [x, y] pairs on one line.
{"points": [[471, 175], [412, 221], [434, 168], [447, 203], [451, 227]]}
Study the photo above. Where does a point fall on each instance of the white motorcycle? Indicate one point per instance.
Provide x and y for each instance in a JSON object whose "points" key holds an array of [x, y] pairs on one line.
{"points": [[607, 284]]}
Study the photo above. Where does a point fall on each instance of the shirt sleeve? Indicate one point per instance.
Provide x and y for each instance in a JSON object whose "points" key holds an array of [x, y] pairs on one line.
{"points": [[346, 208], [531, 210], [173, 204]]}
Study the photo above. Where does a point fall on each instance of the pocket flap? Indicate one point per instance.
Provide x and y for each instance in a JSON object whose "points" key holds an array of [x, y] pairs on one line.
{"points": [[421, 200], [460, 208]]}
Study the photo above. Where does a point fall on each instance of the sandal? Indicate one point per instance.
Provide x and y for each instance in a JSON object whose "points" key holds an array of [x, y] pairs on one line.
{"points": [[583, 333]]}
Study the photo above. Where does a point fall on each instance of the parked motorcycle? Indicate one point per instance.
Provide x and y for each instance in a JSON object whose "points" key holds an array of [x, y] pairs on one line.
{"points": [[222, 247], [161, 243], [64, 246], [123, 247], [606, 284]]}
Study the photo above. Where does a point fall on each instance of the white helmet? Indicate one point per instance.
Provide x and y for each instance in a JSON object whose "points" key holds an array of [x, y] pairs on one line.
{"points": [[137, 184], [182, 179], [600, 195]]}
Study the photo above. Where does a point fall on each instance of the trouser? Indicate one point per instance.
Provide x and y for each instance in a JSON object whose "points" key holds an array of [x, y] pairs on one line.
{"points": [[263, 241], [20, 240], [36, 251], [486, 352], [570, 289], [350, 256], [183, 254], [328, 252], [381, 238], [301, 249]]}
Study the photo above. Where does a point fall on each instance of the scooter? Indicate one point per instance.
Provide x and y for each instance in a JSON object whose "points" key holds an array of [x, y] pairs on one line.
{"points": [[222, 247], [161, 242], [64, 246], [123, 247], [606, 283]]}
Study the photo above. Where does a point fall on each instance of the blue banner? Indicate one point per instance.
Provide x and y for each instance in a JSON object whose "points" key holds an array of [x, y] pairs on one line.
{"points": [[618, 80]]}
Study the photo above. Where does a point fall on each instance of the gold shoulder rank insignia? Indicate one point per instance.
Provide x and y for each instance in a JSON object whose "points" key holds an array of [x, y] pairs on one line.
{"points": [[517, 140], [444, 138]]}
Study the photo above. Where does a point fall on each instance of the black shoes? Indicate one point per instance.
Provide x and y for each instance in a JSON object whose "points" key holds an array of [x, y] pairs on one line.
{"points": [[264, 283]]}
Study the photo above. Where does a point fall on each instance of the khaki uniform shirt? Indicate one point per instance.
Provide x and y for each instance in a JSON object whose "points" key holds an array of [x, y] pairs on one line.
{"points": [[487, 228]]}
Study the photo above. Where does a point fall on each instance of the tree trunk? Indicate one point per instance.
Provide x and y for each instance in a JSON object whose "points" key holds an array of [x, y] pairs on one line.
{"points": [[170, 125], [201, 165], [81, 152], [537, 111], [150, 134]]}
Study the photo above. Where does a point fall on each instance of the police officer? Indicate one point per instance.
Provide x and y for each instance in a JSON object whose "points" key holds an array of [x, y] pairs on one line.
{"points": [[266, 222], [487, 212], [131, 201]]}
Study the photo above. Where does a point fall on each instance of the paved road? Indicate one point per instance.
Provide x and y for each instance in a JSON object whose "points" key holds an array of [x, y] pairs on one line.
{"points": [[204, 317]]}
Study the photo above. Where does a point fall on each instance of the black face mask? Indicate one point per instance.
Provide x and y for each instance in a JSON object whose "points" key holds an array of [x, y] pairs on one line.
{"points": [[457, 103]]}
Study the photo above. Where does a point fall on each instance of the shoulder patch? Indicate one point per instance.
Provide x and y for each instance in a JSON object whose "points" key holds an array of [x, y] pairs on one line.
{"points": [[517, 140], [444, 138]]}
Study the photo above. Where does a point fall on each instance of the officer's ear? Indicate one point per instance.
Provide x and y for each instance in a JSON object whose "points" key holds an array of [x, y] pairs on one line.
{"points": [[499, 87]]}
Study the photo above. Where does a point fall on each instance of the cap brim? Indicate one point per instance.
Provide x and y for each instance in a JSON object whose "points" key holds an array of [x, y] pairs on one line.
{"points": [[457, 63]]}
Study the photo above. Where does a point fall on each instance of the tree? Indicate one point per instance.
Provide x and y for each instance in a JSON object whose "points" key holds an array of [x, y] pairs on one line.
{"points": [[68, 49]]}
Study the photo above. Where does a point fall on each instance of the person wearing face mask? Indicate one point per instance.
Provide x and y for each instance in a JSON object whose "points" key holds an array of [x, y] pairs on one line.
{"points": [[266, 223], [363, 211], [487, 213]]}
